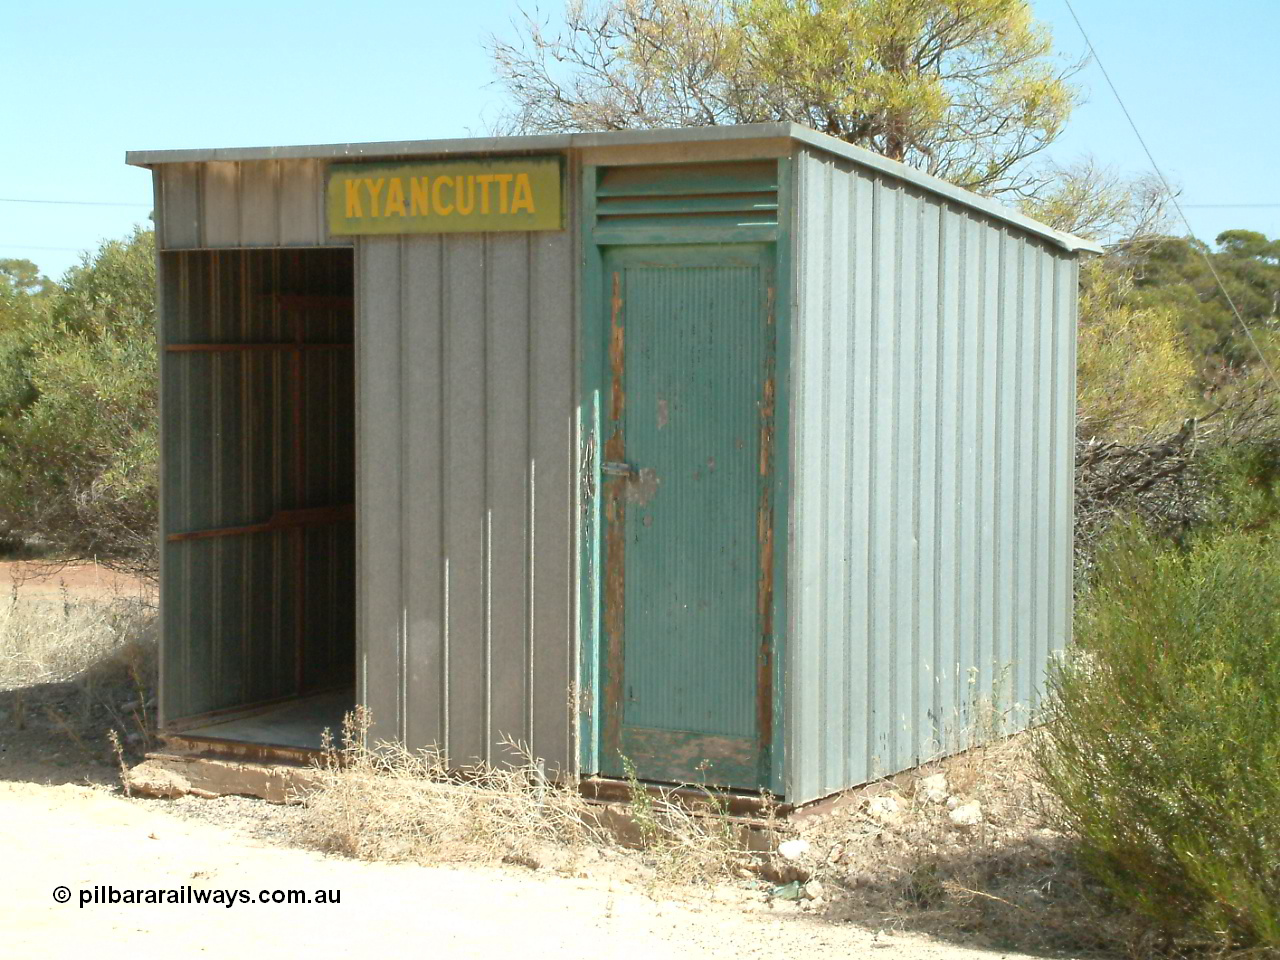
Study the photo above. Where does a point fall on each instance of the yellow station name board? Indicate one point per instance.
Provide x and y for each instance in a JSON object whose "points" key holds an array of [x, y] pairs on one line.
{"points": [[471, 196]]}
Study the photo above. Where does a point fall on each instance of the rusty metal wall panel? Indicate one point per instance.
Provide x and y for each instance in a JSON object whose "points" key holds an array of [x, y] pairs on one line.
{"points": [[933, 396], [467, 490], [237, 204], [230, 615]]}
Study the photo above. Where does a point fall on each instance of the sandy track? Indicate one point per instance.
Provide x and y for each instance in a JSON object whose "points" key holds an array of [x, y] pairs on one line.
{"points": [[81, 837], [82, 580]]}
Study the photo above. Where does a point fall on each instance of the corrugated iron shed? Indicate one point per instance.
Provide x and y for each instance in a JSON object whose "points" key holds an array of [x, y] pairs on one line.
{"points": [[755, 469]]}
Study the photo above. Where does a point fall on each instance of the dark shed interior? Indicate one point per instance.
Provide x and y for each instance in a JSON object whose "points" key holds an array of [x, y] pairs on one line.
{"points": [[258, 568]]}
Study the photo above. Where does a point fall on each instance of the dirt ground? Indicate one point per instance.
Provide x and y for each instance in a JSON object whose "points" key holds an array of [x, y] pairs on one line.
{"points": [[86, 837], [34, 578], [64, 822]]}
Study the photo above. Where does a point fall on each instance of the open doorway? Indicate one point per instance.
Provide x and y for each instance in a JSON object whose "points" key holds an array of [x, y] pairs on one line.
{"points": [[257, 495]]}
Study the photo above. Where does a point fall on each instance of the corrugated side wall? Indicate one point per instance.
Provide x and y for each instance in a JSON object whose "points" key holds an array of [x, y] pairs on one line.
{"points": [[260, 203], [466, 500], [933, 409]]}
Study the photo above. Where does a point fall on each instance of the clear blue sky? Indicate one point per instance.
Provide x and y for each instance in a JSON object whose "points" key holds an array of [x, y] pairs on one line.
{"points": [[88, 81]]}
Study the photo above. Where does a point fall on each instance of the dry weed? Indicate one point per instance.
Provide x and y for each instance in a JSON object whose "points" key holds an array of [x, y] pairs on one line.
{"points": [[384, 802], [79, 666], [57, 639], [693, 843]]}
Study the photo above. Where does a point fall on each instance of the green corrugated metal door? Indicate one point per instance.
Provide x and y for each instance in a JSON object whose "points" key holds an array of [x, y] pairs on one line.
{"points": [[688, 519]]}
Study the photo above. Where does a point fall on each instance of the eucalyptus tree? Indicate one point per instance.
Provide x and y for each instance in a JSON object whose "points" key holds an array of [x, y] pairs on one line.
{"points": [[968, 90]]}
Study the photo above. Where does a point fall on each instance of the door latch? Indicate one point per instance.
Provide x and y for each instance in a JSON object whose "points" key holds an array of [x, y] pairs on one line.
{"points": [[615, 468]]}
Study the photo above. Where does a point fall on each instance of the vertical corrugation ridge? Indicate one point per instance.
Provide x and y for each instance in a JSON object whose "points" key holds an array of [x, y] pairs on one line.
{"points": [[486, 481], [823, 544], [948, 417], [999, 380], [797, 739], [276, 213], [835, 413], [872, 362], [183, 681], [890, 722], [531, 504], [862, 398], [247, 506], [1025, 640], [916, 733], [1014, 502], [447, 519], [959, 660], [216, 513], [1037, 641], [852, 322], [1066, 396], [928, 336], [1055, 471], [360, 480], [403, 418], [442, 405], [983, 539], [905, 452]]}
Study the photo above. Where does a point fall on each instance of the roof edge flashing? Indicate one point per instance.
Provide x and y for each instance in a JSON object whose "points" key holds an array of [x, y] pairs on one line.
{"points": [[385, 150], [391, 149]]}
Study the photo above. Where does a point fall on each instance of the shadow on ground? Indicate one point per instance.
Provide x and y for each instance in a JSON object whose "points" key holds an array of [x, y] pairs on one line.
{"points": [[60, 732]]}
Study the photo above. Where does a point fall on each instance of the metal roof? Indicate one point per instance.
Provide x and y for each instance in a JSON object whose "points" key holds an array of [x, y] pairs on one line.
{"points": [[550, 142]]}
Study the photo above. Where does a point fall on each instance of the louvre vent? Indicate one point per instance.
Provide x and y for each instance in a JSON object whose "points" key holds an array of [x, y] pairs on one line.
{"points": [[680, 198]]}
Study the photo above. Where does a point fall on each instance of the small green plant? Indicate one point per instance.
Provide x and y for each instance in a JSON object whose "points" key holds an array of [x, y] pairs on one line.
{"points": [[1163, 747], [687, 839], [640, 806]]}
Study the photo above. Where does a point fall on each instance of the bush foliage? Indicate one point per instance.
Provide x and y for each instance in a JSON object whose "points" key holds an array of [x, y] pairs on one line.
{"points": [[1134, 370], [1164, 742], [78, 409]]}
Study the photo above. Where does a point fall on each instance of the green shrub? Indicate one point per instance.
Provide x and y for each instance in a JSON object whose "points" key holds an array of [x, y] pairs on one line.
{"points": [[78, 443], [1163, 746]]}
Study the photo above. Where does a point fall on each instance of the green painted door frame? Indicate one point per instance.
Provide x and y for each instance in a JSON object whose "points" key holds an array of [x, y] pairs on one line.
{"points": [[702, 699]]}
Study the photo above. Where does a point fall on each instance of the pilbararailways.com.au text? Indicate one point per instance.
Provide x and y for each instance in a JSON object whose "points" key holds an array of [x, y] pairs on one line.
{"points": [[106, 894]]}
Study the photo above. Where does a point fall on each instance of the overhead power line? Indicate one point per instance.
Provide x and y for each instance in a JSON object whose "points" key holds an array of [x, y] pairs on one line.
{"points": [[27, 246], [74, 203], [1252, 206], [1172, 196]]}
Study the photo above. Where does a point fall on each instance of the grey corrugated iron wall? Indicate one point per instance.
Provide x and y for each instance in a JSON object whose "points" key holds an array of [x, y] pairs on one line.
{"points": [[229, 603], [258, 203], [467, 497], [934, 400]]}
